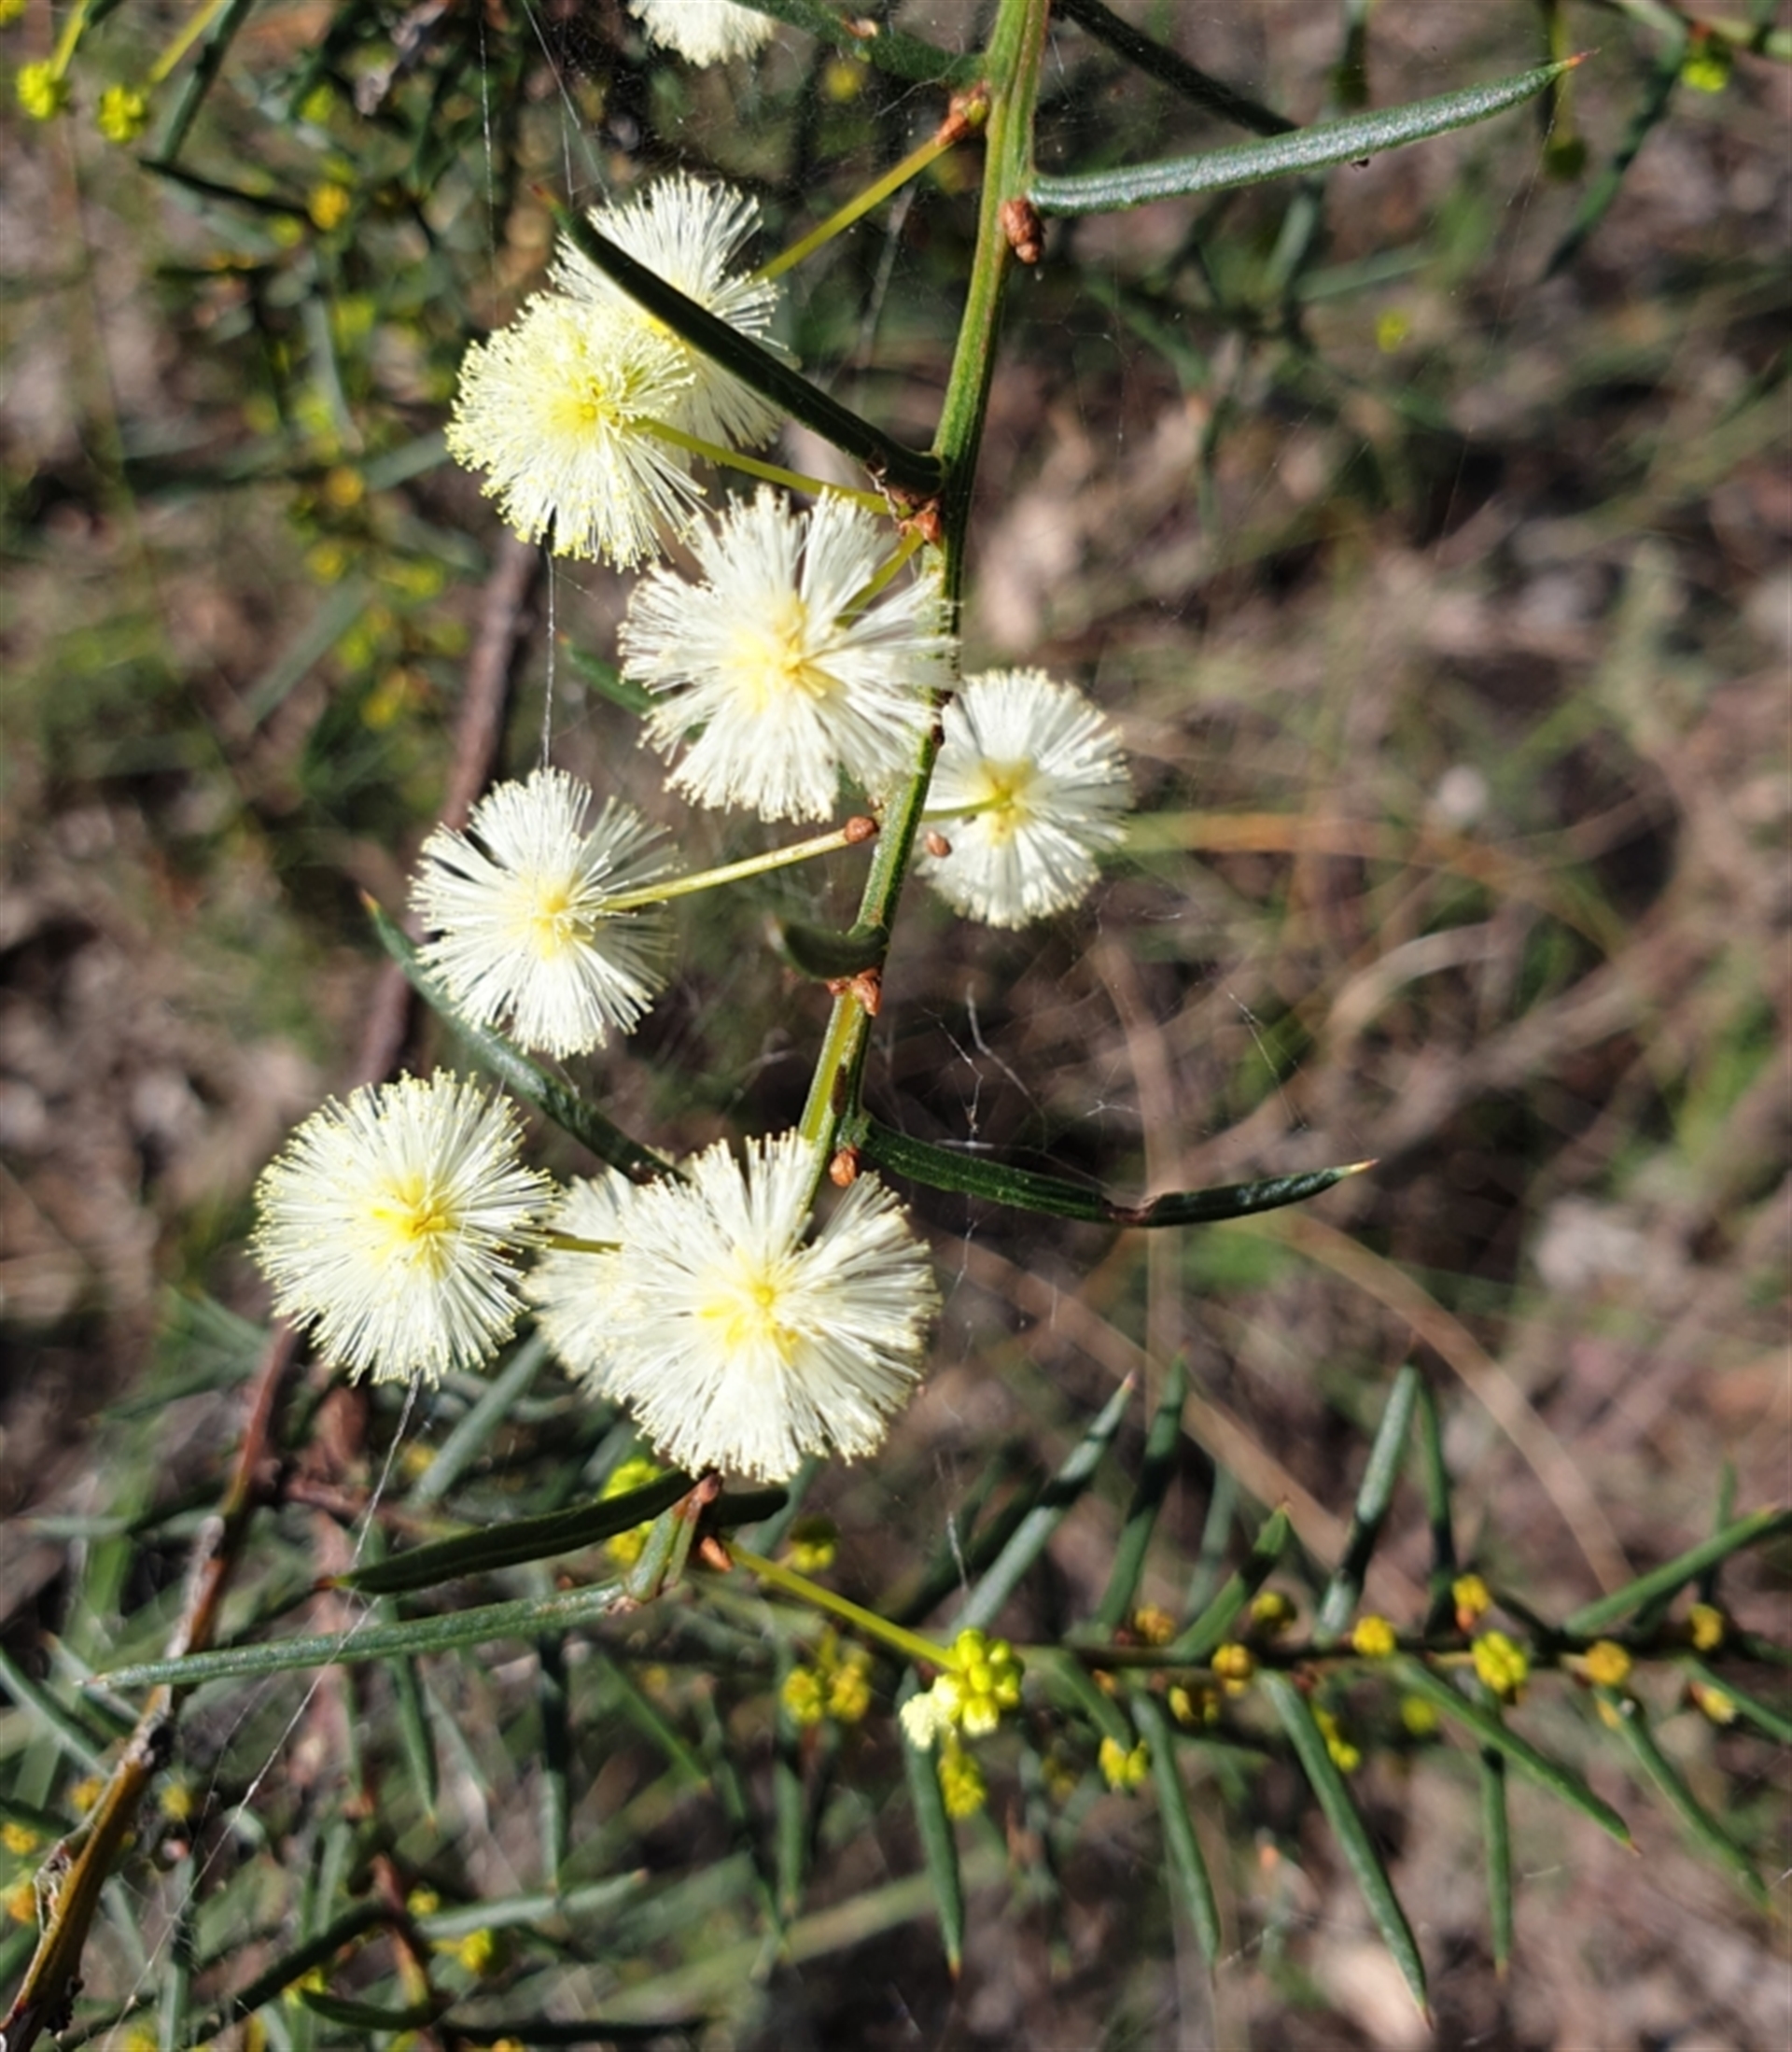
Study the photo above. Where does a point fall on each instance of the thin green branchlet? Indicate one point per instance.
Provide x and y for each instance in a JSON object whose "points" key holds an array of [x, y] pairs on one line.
{"points": [[811, 652]]}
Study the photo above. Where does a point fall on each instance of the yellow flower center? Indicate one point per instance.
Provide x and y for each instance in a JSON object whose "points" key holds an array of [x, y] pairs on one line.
{"points": [[412, 1225], [1004, 799], [743, 1309], [770, 659], [548, 919]]}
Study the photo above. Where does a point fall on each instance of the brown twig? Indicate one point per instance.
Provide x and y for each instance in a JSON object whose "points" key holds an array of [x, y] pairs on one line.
{"points": [[70, 1881]]}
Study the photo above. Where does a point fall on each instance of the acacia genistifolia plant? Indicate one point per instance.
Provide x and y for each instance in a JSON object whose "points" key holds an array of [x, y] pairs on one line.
{"points": [[652, 1368]]}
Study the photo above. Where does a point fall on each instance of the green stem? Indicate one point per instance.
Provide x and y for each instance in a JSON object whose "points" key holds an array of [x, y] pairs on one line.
{"points": [[911, 1645], [1012, 71], [773, 473], [879, 191], [849, 836], [200, 20]]}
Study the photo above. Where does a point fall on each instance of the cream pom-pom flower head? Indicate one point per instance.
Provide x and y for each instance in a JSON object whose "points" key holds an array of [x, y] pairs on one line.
{"points": [[790, 677], [559, 409], [391, 1226], [739, 1340], [523, 904], [708, 31], [1029, 790], [689, 233]]}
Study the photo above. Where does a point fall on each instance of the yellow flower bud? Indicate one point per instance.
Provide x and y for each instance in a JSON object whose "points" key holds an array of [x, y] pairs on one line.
{"points": [[1705, 1628], [1707, 65], [961, 1782], [328, 206], [1346, 1757], [480, 1952], [1607, 1664], [1194, 1706], [802, 1698], [177, 1801], [1235, 1665], [1152, 1626], [1374, 1637], [123, 114], [1419, 1716], [20, 1901], [1473, 1600], [19, 1839], [1392, 328], [815, 1545], [1122, 1769], [849, 1689], [843, 80], [1501, 1665], [1718, 1704], [983, 1682], [42, 91], [1272, 1613], [86, 1793]]}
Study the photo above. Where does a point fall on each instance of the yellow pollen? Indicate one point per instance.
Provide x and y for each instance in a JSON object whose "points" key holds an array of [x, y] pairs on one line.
{"points": [[769, 659], [1003, 801], [548, 919], [414, 1224], [742, 1310]]}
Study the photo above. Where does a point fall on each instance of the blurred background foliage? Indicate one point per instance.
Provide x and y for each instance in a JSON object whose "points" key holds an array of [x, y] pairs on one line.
{"points": [[1425, 528]]}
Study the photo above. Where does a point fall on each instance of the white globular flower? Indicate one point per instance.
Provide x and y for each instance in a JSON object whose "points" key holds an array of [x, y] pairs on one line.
{"points": [[522, 903], [739, 1340], [924, 1720], [789, 681], [390, 1225], [558, 410], [708, 31], [574, 1288], [1030, 788], [689, 233]]}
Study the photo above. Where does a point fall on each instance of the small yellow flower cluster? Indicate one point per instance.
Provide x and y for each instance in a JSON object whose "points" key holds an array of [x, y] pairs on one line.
{"points": [[1719, 1705], [626, 1548], [980, 1681], [1235, 1665], [814, 1544], [43, 92], [1419, 1716], [481, 1952], [123, 114], [1195, 1706], [178, 1801], [19, 1839], [1374, 1637], [1607, 1664], [1124, 1770], [1346, 1757], [1271, 1614], [838, 1685], [1152, 1626], [962, 1781], [1705, 1628], [329, 204], [1501, 1664], [1473, 1600], [983, 1682]]}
